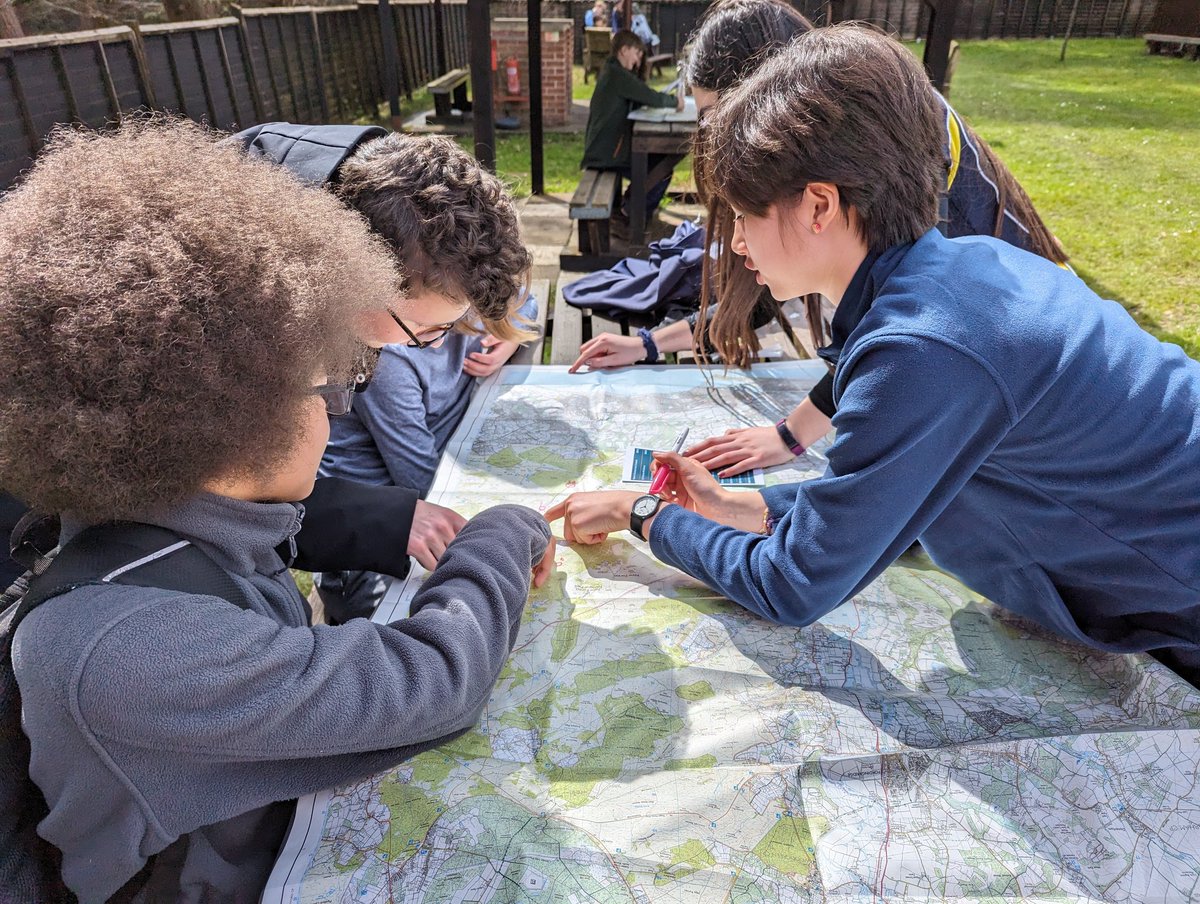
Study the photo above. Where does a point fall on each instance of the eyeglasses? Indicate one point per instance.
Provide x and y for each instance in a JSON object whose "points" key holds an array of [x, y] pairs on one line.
{"points": [[338, 397], [436, 332]]}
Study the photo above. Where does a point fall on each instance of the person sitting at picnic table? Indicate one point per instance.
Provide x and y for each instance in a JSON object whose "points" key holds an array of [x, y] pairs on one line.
{"points": [[640, 27], [980, 197], [609, 136], [177, 324], [597, 15], [1038, 443]]}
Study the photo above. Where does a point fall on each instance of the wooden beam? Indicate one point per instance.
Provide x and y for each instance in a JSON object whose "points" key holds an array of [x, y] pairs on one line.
{"points": [[479, 29]]}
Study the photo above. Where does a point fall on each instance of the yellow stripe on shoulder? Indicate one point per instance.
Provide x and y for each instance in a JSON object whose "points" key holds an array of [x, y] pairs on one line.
{"points": [[954, 135]]}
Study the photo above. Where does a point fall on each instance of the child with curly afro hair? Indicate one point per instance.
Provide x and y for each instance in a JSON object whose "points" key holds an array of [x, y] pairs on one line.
{"points": [[176, 321]]}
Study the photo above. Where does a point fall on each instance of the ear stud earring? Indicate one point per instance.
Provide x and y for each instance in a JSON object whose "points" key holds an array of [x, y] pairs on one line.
{"points": [[816, 228]]}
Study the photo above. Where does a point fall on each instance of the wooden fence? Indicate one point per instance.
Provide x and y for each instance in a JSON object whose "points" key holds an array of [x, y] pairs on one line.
{"points": [[303, 64], [994, 18], [675, 20]]}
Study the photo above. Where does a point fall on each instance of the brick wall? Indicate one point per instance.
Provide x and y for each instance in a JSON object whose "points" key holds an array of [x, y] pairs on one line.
{"points": [[511, 37]]}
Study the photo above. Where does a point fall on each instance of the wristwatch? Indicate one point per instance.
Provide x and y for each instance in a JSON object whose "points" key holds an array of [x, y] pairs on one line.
{"points": [[643, 508]]}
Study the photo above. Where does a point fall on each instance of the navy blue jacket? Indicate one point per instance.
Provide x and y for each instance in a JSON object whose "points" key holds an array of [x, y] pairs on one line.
{"points": [[1040, 444]]}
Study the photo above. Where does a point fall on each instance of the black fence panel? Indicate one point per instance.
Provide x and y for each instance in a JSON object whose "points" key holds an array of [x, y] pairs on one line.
{"points": [[304, 64]]}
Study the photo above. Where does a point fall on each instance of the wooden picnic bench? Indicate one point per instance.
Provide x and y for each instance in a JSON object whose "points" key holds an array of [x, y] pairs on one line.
{"points": [[449, 94], [1175, 45], [597, 47], [655, 63], [592, 205]]}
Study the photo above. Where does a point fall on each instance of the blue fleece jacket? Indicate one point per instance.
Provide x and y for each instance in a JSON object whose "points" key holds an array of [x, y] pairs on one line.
{"points": [[399, 426], [1037, 442]]}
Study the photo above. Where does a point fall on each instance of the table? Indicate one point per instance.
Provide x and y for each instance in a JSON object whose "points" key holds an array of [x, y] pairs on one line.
{"points": [[655, 131], [651, 742]]}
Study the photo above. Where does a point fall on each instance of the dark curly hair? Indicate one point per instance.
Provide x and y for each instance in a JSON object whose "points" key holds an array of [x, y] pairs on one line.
{"points": [[165, 308], [450, 222]]}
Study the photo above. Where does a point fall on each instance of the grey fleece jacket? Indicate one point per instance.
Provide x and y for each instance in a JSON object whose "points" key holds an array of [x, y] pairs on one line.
{"points": [[175, 723]]}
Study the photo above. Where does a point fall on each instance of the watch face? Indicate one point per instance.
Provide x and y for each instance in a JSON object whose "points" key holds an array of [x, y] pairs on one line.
{"points": [[644, 506]]}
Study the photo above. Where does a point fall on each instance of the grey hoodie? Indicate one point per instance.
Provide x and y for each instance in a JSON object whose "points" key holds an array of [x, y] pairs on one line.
{"points": [[182, 724]]}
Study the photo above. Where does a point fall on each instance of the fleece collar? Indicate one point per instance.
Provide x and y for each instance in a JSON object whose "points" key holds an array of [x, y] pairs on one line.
{"points": [[240, 536]]}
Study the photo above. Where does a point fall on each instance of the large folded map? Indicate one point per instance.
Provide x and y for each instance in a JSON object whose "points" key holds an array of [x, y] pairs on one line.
{"points": [[650, 741]]}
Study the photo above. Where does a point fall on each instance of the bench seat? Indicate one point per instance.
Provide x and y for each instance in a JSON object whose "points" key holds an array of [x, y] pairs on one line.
{"points": [[655, 63], [592, 204], [1173, 44], [449, 94]]}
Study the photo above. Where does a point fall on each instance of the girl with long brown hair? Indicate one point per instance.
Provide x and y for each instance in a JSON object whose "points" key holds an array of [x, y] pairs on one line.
{"points": [[981, 197]]}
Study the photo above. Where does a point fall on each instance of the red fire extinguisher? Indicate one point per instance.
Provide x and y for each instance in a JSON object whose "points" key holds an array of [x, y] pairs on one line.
{"points": [[512, 76]]}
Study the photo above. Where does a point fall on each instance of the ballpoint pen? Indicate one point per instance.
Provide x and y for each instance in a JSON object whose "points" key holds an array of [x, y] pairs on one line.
{"points": [[660, 477]]}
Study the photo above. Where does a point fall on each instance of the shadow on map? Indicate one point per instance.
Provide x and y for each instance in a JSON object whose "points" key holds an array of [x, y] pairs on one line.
{"points": [[556, 450]]}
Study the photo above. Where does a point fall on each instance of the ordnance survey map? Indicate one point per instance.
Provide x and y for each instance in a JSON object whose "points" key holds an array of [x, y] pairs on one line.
{"points": [[650, 741]]}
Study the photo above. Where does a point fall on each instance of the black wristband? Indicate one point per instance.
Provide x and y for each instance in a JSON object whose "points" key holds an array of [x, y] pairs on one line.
{"points": [[794, 445], [650, 346]]}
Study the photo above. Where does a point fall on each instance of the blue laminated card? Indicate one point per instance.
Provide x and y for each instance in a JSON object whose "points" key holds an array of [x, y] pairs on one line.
{"points": [[638, 470]]}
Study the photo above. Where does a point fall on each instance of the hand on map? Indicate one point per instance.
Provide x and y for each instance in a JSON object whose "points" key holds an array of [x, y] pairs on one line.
{"points": [[741, 449], [691, 485], [494, 355], [544, 568], [609, 350], [590, 517], [433, 527]]}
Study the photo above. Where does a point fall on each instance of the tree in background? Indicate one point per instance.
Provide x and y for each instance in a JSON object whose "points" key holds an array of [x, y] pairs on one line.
{"points": [[10, 22]]}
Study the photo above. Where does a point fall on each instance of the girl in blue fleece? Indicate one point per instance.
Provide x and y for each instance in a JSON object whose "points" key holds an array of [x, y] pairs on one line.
{"points": [[1037, 442]]}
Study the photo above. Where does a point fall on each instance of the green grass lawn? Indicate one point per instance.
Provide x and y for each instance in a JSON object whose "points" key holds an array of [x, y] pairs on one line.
{"points": [[1108, 146]]}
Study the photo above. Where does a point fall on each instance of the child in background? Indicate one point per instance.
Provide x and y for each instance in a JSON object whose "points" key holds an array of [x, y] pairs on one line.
{"points": [[453, 228], [597, 16], [607, 142], [640, 27]]}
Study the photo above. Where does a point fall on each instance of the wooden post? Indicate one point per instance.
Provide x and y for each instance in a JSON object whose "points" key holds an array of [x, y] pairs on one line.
{"points": [[262, 35], [143, 71], [314, 32], [479, 30], [387, 35], [248, 64], [227, 71], [536, 137], [937, 40], [287, 66], [32, 138], [207, 88], [110, 90], [64, 79], [439, 37]]}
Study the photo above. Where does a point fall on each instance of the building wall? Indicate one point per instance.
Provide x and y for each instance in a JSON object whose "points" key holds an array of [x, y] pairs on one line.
{"points": [[511, 37]]}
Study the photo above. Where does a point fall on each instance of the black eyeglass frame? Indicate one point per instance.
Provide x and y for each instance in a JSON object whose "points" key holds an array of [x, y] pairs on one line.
{"points": [[338, 397], [414, 342]]}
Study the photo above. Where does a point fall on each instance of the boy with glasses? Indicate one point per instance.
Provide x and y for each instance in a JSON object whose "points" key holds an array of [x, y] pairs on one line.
{"points": [[453, 229]]}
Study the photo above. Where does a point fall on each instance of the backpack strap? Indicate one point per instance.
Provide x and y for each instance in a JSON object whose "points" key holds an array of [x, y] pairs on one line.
{"points": [[118, 552], [127, 552]]}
